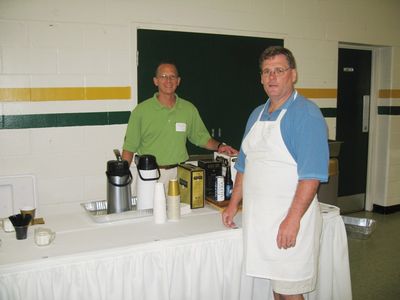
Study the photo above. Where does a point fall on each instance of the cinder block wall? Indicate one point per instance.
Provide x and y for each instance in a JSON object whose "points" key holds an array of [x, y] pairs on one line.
{"points": [[64, 63]]}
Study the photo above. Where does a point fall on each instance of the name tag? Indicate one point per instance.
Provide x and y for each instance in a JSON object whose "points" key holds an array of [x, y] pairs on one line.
{"points": [[180, 127]]}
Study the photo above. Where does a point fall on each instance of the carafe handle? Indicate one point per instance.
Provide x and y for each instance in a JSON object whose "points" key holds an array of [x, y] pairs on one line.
{"points": [[149, 179], [129, 181], [117, 154]]}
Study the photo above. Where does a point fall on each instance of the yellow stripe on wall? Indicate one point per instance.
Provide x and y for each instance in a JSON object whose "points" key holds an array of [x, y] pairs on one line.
{"points": [[20, 94], [107, 93], [65, 94], [95, 93], [318, 93], [56, 94], [389, 93]]}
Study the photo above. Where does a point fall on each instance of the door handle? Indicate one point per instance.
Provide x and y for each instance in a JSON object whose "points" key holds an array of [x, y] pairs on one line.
{"points": [[365, 114], [212, 132]]}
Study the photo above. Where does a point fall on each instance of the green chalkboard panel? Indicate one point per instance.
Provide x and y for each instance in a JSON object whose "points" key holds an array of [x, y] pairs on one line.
{"points": [[220, 75]]}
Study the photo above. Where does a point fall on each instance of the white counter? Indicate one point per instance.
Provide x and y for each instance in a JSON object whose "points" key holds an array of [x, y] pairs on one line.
{"points": [[195, 258]]}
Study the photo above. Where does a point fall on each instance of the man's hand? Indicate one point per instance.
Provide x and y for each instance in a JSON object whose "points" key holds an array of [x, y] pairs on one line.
{"points": [[214, 145], [287, 233], [228, 214], [290, 226], [227, 149]]}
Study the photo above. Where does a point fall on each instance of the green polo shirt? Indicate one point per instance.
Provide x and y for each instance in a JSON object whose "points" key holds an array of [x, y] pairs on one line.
{"points": [[161, 131]]}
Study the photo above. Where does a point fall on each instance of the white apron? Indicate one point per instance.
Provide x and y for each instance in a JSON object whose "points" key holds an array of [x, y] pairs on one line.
{"points": [[269, 184]]}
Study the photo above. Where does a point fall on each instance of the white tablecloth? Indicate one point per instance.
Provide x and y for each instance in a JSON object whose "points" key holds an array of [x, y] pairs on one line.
{"points": [[334, 281], [196, 258]]}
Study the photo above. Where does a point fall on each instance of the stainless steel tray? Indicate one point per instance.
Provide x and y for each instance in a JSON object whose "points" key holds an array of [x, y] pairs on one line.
{"points": [[359, 228], [97, 211]]}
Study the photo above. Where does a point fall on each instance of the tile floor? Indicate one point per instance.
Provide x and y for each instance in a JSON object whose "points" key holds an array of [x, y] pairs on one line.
{"points": [[375, 262]]}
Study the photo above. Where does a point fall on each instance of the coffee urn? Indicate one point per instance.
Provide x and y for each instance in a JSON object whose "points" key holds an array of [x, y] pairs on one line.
{"points": [[119, 179]]}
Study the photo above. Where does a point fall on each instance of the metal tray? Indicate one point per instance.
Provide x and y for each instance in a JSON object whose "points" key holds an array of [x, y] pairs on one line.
{"points": [[97, 211], [359, 228]]}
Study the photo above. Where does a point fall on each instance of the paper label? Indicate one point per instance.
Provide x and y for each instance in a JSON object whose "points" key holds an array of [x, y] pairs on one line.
{"points": [[180, 127]]}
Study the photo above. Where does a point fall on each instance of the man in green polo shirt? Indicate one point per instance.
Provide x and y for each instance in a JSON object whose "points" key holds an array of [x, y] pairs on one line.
{"points": [[161, 125]]}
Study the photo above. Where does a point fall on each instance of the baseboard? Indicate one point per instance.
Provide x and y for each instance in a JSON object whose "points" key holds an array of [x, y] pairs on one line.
{"points": [[386, 209]]}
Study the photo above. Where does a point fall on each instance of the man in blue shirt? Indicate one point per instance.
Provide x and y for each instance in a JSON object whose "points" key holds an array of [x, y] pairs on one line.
{"points": [[283, 157]]}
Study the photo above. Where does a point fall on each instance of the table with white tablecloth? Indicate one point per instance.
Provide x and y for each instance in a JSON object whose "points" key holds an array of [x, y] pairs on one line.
{"points": [[195, 258], [334, 281]]}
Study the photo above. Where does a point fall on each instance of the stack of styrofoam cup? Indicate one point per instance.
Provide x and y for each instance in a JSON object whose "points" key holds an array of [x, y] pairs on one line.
{"points": [[160, 207], [173, 201]]}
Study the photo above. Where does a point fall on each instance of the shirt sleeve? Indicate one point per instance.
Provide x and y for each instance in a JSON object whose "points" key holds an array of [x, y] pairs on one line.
{"points": [[198, 134], [305, 133]]}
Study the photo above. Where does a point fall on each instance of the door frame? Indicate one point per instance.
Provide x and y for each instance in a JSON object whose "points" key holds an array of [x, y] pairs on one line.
{"points": [[371, 186]]}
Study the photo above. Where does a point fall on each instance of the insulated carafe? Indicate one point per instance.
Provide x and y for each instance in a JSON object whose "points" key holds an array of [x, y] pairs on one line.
{"points": [[119, 179], [148, 174]]}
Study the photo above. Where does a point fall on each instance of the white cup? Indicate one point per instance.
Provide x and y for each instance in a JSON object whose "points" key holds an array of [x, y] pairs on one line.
{"points": [[160, 205], [29, 210], [7, 225], [44, 236]]}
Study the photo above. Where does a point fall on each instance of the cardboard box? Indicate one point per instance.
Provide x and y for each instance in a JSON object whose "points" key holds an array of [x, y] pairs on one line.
{"points": [[227, 160], [191, 185], [212, 169]]}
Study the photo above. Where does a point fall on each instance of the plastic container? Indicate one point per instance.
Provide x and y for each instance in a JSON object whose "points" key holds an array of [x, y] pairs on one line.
{"points": [[359, 228]]}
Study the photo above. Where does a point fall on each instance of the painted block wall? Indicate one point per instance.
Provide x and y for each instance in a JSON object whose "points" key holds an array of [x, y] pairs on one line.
{"points": [[393, 197], [387, 150], [92, 43]]}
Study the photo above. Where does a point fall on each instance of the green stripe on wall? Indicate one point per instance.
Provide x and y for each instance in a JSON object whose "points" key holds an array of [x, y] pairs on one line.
{"points": [[64, 120], [382, 110], [111, 118], [329, 112], [118, 117], [83, 119], [389, 110]]}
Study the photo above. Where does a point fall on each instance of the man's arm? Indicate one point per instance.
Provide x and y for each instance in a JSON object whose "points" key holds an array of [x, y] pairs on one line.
{"points": [[237, 194], [214, 145], [127, 155], [289, 228]]}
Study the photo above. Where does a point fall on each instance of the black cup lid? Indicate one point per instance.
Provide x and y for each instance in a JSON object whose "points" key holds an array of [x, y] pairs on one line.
{"points": [[117, 167], [147, 162]]}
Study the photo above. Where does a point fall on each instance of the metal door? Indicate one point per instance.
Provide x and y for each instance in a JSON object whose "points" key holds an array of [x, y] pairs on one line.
{"points": [[352, 125]]}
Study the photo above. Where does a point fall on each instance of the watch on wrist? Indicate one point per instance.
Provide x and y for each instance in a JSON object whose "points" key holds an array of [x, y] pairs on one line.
{"points": [[220, 144]]}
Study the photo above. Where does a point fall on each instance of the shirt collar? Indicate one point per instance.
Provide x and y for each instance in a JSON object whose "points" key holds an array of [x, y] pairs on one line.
{"points": [[158, 105], [285, 105]]}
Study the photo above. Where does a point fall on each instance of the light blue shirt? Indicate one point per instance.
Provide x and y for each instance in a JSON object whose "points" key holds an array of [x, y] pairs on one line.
{"points": [[304, 132]]}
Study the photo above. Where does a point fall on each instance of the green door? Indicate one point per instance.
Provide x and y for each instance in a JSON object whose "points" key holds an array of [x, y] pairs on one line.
{"points": [[220, 76]]}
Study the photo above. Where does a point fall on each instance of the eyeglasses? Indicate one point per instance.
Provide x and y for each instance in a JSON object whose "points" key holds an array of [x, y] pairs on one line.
{"points": [[168, 77], [278, 72]]}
